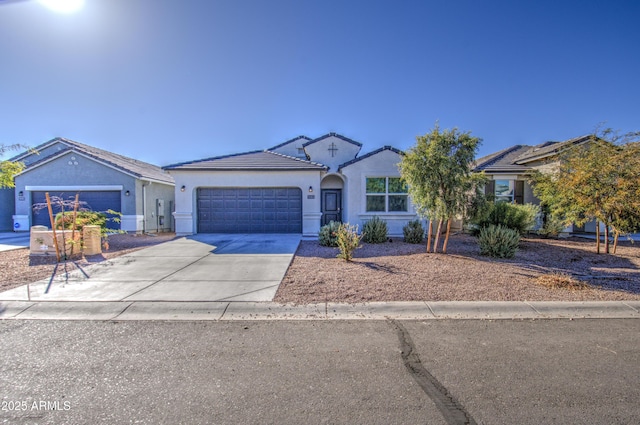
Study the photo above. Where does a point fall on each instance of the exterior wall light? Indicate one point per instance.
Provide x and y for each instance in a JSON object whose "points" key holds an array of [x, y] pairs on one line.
{"points": [[310, 189], [183, 188], [127, 193]]}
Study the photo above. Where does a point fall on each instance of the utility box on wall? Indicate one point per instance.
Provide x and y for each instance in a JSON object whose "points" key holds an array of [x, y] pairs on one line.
{"points": [[160, 212]]}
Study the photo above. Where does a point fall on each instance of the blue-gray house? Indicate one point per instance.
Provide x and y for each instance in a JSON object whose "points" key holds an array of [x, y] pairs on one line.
{"points": [[142, 192]]}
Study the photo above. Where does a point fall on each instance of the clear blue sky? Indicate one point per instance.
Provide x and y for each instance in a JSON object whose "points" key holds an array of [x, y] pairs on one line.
{"points": [[167, 81]]}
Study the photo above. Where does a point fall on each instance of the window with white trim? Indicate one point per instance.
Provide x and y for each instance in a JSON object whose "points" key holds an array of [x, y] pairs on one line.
{"points": [[386, 194]]}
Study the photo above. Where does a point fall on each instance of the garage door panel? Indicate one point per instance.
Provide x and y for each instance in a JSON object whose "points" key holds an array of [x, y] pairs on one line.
{"points": [[249, 210], [100, 201]]}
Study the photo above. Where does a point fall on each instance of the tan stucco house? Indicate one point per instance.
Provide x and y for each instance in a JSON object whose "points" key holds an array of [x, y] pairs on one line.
{"points": [[508, 171]]}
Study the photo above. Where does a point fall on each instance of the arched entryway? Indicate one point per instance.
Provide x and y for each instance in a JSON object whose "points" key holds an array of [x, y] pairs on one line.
{"points": [[331, 202]]}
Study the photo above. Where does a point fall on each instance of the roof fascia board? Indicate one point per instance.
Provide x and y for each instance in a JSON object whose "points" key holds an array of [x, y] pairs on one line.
{"points": [[74, 150], [35, 151]]}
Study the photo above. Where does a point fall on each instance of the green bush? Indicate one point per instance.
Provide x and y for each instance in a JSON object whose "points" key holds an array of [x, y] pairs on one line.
{"points": [[348, 241], [517, 217], [413, 232], [83, 218], [552, 227], [498, 241], [328, 235], [374, 231]]}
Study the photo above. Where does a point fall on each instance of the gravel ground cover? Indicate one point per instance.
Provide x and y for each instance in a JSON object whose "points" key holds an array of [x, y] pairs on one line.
{"points": [[16, 268], [397, 271]]}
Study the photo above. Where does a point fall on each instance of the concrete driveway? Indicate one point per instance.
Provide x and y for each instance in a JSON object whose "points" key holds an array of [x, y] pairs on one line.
{"points": [[207, 267]]}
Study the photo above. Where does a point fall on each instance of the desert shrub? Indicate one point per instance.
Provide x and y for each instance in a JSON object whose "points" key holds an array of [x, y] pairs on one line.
{"points": [[413, 232], [498, 241], [374, 230], [517, 217], [348, 240], [83, 218], [328, 235], [551, 227]]}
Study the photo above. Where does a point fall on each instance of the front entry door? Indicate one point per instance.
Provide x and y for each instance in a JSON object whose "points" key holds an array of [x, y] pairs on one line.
{"points": [[331, 205]]}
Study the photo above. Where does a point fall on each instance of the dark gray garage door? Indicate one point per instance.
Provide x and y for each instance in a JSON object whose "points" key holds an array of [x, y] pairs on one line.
{"points": [[7, 209], [95, 201], [250, 210]]}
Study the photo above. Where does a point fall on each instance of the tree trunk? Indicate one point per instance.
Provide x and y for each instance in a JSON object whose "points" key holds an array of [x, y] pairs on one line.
{"points": [[597, 237], [446, 238], [429, 235], [435, 243], [616, 235], [606, 239], [73, 223], [53, 226]]}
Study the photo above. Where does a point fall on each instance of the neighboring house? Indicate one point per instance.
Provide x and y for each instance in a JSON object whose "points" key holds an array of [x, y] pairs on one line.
{"points": [[509, 169], [142, 192], [7, 209], [294, 187]]}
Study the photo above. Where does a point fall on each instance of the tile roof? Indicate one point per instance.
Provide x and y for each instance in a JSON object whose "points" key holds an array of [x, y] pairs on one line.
{"points": [[502, 161], [254, 160], [295, 139], [516, 158], [128, 165], [377, 151], [339, 136], [550, 148]]}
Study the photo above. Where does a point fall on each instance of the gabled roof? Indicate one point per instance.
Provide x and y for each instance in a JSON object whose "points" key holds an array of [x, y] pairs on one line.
{"points": [[346, 139], [502, 161], [370, 154], [254, 160], [122, 163], [516, 158], [295, 139], [548, 149]]}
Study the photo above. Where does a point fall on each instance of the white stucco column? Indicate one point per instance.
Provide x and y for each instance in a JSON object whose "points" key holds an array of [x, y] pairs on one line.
{"points": [[184, 223]]}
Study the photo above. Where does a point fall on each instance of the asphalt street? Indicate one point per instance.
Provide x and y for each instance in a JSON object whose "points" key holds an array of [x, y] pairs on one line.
{"points": [[321, 372]]}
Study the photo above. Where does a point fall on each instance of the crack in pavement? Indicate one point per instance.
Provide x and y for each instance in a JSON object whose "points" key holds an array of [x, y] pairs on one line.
{"points": [[450, 408]]}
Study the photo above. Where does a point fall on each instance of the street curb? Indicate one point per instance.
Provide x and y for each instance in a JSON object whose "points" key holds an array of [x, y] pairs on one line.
{"points": [[261, 311]]}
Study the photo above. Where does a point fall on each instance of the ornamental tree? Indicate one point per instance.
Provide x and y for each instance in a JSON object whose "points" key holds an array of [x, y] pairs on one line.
{"points": [[598, 180], [438, 172], [8, 169]]}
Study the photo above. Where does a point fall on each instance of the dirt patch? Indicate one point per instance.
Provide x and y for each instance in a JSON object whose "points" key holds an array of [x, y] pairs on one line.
{"points": [[16, 268], [397, 271]]}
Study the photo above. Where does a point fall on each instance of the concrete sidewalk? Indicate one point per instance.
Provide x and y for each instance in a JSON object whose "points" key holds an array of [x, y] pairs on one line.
{"points": [[227, 311]]}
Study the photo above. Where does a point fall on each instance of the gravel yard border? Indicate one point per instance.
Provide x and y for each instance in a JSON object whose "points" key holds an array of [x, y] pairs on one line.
{"points": [[398, 271]]}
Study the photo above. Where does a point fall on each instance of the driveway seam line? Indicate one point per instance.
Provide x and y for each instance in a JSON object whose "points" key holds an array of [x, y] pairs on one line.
{"points": [[165, 277], [225, 310], [245, 293], [123, 311]]}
